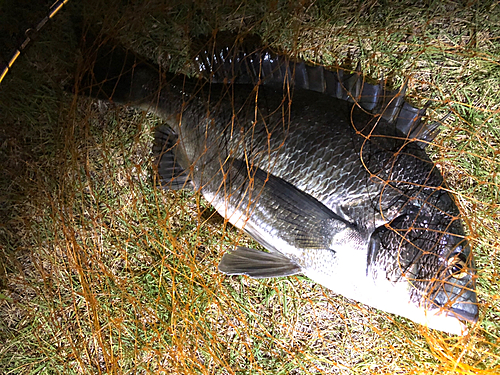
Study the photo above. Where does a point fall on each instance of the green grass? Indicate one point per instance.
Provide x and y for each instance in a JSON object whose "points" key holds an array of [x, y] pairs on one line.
{"points": [[103, 273]]}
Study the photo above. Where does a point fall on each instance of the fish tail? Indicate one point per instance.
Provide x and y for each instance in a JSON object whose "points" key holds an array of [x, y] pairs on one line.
{"points": [[115, 74]]}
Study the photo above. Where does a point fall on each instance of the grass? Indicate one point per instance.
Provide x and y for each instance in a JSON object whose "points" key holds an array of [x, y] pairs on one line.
{"points": [[103, 273]]}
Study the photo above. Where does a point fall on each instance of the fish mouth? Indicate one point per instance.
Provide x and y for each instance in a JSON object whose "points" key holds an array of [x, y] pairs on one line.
{"points": [[468, 312], [458, 301]]}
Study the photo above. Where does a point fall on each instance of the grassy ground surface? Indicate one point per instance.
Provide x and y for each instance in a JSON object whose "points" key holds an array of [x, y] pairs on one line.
{"points": [[103, 273]]}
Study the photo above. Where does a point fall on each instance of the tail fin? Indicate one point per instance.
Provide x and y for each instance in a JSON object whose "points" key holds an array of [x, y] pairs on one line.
{"points": [[118, 75]]}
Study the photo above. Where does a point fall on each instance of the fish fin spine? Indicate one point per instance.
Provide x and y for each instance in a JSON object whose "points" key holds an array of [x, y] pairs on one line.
{"points": [[171, 175], [237, 57], [257, 264]]}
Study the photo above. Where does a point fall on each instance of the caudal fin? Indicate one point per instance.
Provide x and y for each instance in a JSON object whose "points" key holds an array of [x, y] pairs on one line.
{"points": [[111, 72]]}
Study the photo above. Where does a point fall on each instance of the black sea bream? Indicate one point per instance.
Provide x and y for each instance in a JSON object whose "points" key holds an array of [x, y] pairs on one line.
{"points": [[327, 172]]}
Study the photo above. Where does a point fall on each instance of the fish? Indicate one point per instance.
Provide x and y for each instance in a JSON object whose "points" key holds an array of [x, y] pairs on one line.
{"points": [[328, 172]]}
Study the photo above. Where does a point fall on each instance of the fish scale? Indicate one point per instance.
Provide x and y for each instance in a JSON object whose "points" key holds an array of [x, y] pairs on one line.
{"points": [[327, 172]]}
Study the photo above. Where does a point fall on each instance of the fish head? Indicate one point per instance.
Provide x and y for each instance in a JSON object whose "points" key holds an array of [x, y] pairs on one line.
{"points": [[429, 257]]}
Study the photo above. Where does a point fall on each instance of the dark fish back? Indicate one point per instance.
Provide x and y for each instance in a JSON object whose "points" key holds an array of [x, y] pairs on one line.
{"points": [[244, 61]]}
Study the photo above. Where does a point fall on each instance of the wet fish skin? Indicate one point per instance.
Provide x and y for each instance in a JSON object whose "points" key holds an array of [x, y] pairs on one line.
{"points": [[332, 191]]}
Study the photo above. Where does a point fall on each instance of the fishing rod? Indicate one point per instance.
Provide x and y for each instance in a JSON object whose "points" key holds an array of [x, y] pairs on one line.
{"points": [[30, 35]]}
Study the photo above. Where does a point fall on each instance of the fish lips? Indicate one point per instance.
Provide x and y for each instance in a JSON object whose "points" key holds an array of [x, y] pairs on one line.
{"points": [[458, 301], [469, 315], [468, 309]]}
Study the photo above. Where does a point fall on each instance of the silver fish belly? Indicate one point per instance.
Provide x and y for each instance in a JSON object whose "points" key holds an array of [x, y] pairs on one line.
{"points": [[335, 184]]}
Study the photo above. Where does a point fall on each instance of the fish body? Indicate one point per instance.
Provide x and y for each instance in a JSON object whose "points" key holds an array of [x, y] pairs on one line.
{"points": [[326, 172]]}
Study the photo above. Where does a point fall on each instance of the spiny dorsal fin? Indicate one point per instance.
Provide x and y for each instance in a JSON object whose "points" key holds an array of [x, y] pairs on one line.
{"points": [[236, 60]]}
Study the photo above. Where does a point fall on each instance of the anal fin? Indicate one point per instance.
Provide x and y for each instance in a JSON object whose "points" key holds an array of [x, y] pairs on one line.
{"points": [[172, 175], [257, 264]]}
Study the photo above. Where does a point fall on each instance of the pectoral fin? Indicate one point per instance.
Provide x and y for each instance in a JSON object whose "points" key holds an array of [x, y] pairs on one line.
{"points": [[281, 218], [257, 264], [295, 216]]}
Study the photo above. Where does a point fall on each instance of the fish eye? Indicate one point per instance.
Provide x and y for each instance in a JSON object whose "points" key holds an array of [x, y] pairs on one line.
{"points": [[457, 265]]}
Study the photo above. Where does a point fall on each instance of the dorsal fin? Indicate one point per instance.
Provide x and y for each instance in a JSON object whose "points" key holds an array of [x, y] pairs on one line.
{"points": [[236, 60]]}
